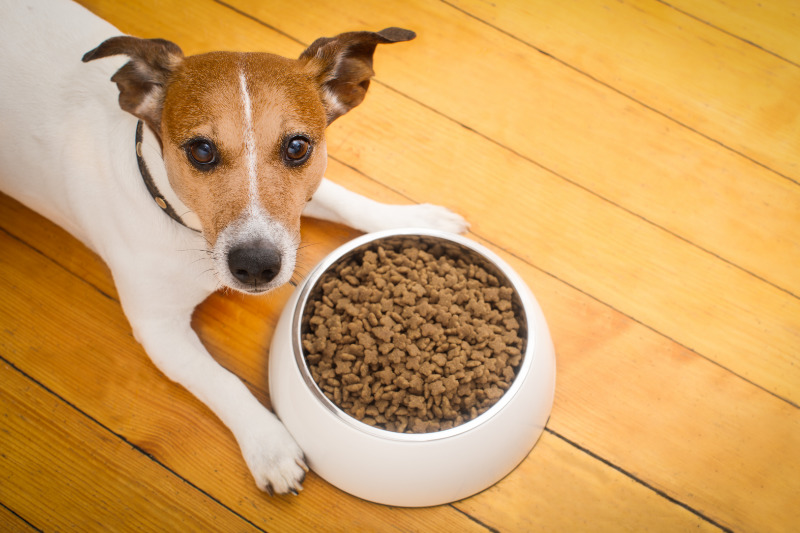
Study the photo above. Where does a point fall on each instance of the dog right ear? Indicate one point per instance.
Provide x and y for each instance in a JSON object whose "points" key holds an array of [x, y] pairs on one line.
{"points": [[342, 66], [141, 81]]}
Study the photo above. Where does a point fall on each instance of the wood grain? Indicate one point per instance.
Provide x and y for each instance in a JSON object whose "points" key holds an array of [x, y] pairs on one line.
{"points": [[61, 461], [11, 523], [527, 498], [773, 26], [712, 82]]}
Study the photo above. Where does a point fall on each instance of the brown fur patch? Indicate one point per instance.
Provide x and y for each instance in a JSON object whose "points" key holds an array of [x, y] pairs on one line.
{"points": [[343, 66], [204, 99]]}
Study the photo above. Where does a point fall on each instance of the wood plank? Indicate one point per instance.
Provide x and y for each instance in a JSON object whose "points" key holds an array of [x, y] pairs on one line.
{"points": [[11, 523], [87, 355], [772, 25], [56, 464], [79, 260], [203, 21], [713, 82], [687, 294], [527, 498], [593, 135]]}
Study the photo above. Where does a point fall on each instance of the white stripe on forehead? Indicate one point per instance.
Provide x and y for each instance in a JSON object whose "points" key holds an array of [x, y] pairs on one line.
{"points": [[249, 140]]}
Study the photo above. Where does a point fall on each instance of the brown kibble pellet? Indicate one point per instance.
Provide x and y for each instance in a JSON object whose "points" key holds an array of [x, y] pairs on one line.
{"points": [[437, 388], [412, 340]]}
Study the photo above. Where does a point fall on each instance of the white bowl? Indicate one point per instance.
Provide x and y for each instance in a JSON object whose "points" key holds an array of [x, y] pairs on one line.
{"points": [[424, 469]]}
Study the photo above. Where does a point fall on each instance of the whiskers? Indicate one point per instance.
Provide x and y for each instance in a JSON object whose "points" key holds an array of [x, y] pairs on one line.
{"points": [[208, 254], [207, 262], [301, 269], [207, 250]]}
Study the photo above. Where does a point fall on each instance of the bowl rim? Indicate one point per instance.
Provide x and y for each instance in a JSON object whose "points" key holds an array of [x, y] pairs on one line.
{"points": [[519, 286]]}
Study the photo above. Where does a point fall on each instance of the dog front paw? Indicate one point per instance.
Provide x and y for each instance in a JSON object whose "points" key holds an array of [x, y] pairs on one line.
{"points": [[421, 216], [276, 462]]}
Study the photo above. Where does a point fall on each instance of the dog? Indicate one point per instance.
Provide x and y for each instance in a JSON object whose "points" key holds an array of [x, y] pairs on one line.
{"points": [[186, 175]]}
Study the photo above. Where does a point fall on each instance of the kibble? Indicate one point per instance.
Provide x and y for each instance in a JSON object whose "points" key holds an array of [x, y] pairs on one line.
{"points": [[409, 339]]}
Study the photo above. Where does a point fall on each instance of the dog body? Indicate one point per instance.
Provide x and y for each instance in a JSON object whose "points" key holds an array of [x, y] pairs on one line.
{"points": [[235, 146]]}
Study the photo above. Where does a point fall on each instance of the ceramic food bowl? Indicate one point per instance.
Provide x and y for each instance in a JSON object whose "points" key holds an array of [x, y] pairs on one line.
{"points": [[423, 469]]}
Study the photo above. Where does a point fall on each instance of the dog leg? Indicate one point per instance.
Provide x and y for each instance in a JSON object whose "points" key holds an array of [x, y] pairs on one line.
{"points": [[335, 203], [270, 452]]}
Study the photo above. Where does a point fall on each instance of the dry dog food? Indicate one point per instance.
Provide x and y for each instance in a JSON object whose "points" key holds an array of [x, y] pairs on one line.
{"points": [[411, 340]]}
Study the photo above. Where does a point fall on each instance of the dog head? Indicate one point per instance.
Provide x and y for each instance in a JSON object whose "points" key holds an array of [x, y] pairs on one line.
{"points": [[243, 137]]}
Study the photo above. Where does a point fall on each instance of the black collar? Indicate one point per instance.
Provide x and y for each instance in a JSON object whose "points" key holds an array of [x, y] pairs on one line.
{"points": [[150, 184]]}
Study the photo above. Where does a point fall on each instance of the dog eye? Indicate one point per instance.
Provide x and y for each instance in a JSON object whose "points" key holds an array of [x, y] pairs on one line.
{"points": [[297, 150], [201, 153]]}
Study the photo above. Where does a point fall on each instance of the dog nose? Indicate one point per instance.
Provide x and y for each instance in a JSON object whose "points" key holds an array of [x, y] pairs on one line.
{"points": [[254, 263]]}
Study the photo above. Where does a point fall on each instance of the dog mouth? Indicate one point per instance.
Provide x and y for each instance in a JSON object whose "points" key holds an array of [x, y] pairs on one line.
{"points": [[255, 291]]}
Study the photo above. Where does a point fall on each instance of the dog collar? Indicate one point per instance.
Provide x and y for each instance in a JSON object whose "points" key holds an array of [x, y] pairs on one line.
{"points": [[150, 183]]}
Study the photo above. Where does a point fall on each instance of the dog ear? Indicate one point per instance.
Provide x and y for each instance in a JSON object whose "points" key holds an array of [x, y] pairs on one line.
{"points": [[343, 66], [141, 81]]}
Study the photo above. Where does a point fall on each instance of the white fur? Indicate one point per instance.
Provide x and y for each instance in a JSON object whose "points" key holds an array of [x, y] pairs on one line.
{"points": [[255, 224], [334, 105], [67, 151], [337, 204], [249, 139]]}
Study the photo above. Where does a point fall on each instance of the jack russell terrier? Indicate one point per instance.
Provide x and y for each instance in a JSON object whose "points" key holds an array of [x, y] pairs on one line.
{"points": [[197, 183]]}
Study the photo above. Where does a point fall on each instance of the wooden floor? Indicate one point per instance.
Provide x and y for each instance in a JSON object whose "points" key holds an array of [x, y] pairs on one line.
{"points": [[638, 162]]}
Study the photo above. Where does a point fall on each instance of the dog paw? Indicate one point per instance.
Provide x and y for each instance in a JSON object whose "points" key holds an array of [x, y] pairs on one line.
{"points": [[423, 216], [275, 460]]}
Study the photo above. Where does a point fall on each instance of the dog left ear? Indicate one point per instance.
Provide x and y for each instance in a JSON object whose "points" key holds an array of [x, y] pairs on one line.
{"points": [[343, 66], [142, 81]]}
